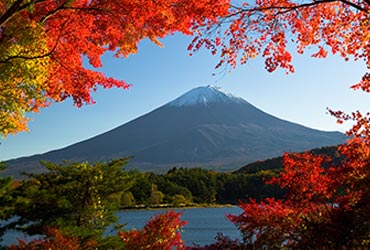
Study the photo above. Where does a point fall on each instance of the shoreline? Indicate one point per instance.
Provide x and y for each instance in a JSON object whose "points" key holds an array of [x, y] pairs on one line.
{"points": [[167, 206]]}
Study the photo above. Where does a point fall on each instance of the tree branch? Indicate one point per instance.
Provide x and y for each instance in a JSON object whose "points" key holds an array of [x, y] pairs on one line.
{"points": [[62, 7], [16, 6], [49, 53], [285, 9], [355, 5], [26, 57], [53, 12]]}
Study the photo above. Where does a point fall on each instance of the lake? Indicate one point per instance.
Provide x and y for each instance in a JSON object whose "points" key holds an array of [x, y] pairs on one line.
{"points": [[203, 223]]}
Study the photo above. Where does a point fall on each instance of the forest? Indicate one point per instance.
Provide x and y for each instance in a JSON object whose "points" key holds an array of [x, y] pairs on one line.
{"points": [[179, 187], [82, 197], [197, 186]]}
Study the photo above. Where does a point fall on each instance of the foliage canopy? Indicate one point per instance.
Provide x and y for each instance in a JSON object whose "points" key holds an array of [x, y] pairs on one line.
{"points": [[78, 198], [43, 43]]}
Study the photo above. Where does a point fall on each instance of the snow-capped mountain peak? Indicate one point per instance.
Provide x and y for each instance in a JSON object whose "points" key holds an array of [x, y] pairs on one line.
{"points": [[206, 95]]}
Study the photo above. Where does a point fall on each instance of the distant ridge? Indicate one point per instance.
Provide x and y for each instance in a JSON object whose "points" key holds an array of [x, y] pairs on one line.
{"points": [[205, 127], [277, 162]]}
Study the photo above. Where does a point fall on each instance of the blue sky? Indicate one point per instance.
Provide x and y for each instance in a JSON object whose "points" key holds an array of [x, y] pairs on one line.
{"points": [[159, 75]]}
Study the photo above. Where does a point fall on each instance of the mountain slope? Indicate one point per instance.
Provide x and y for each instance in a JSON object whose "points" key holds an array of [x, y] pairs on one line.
{"points": [[206, 126]]}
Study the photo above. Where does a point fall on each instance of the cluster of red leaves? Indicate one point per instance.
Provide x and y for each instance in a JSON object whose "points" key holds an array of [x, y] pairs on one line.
{"points": [[160, 233], [89, 28], [361, 129], [326, 205], [265, 27], [304, 178], [55, 240]]}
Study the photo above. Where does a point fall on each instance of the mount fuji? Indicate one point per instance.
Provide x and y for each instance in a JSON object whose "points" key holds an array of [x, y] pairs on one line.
{"points": [[206, 126]]}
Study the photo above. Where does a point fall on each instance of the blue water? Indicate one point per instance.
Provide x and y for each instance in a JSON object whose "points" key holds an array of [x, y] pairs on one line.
{"points": [[203, 224]]}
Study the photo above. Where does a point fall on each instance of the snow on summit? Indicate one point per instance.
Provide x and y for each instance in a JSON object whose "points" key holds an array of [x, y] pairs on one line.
{"points": [[206, 95]]}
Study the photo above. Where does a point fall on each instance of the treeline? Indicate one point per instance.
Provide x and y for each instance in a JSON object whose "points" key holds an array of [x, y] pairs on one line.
{"points": [[187, 186], [77, 201], [277, 162]]}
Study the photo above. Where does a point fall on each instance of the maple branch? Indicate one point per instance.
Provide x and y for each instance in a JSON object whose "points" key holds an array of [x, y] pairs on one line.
{"points": [[53, 12], [59, 36], [63, 7], [30, 57], [49, 53], [14, 8], [285, 9], [355, 5], [25, 57]]}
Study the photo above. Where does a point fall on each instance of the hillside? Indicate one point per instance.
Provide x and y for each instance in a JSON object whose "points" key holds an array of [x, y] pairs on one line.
{"points": [[277, 162]]}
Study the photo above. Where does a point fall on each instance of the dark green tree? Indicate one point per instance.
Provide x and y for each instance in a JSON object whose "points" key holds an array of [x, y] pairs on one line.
{"points": [[6, 199], [200, 182], [156, 196], [171, 189], [128, 200], [78, 198], [142, 188]]}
